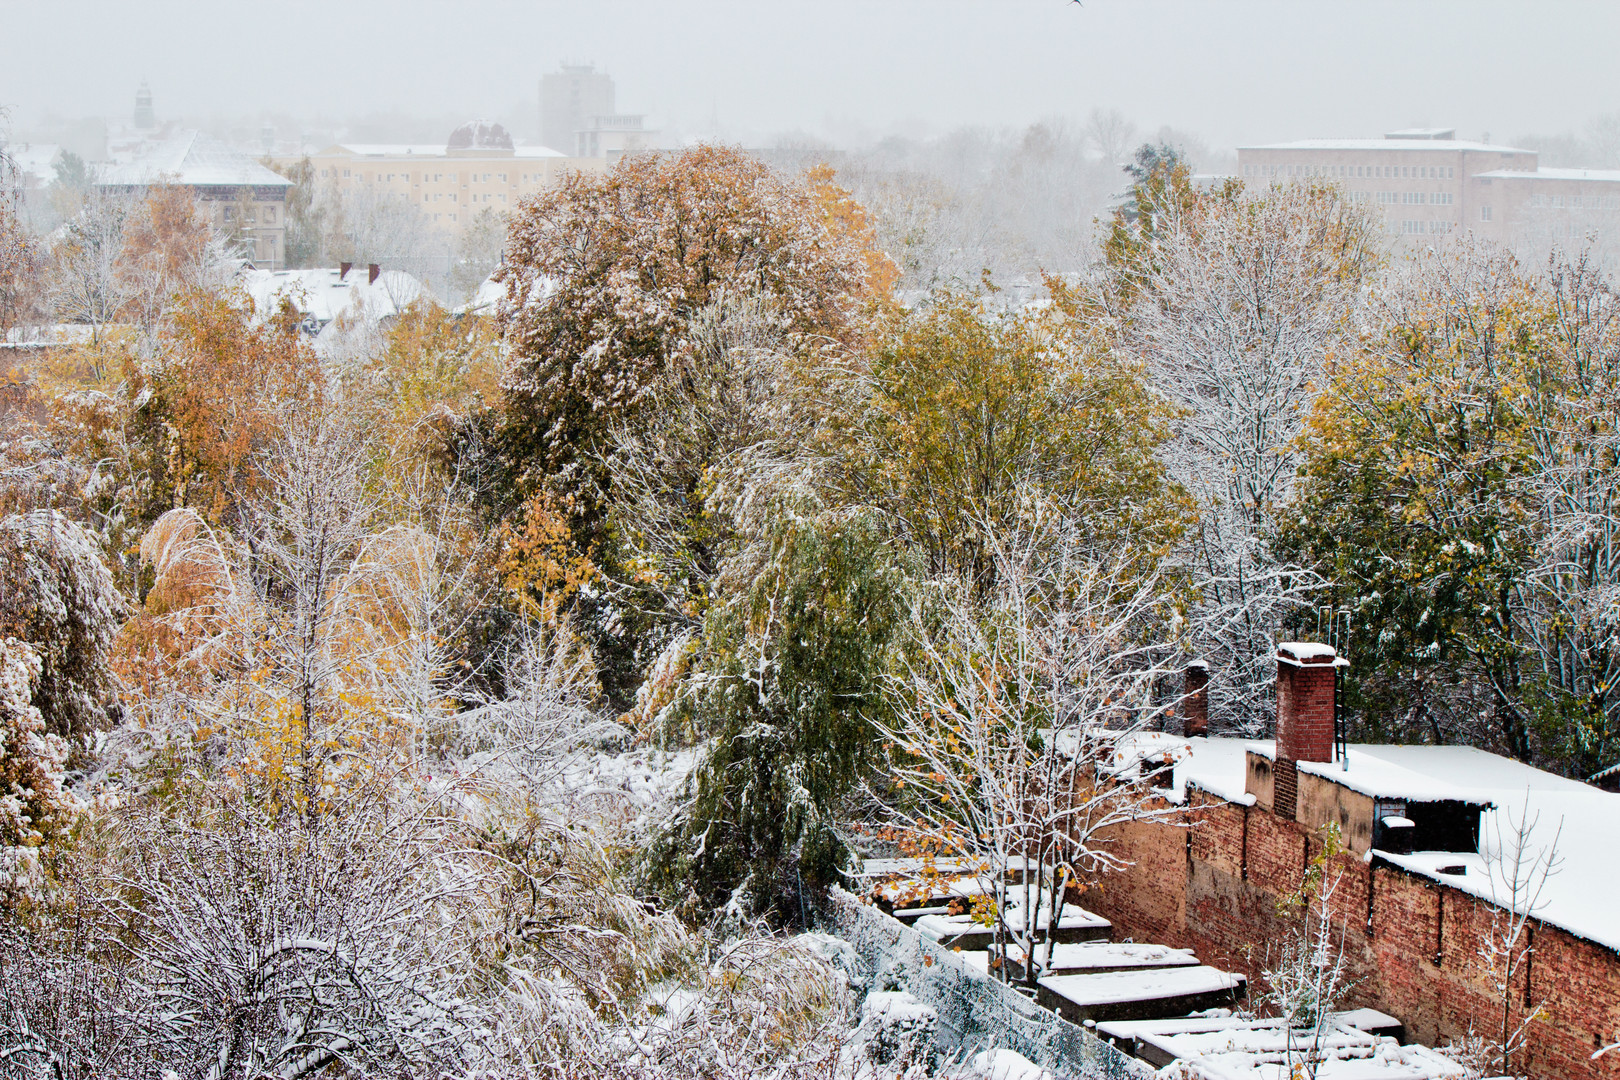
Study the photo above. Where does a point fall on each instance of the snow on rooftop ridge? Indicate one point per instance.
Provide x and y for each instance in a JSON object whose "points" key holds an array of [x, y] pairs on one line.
{"points": [[1401, 145]]}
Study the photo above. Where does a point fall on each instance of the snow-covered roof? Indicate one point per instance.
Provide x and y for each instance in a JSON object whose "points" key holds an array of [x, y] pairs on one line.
{"points": [[324, 294], [1578, 898], [1115, 987], [435, 150], [1598, 176], [485, 299], [1388, 144], [392, 149], [192, 158], [1233, 1048], [34, 159]]}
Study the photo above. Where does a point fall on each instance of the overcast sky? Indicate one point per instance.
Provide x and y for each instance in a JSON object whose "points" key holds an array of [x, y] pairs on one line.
{"points": [[1232, 71]]}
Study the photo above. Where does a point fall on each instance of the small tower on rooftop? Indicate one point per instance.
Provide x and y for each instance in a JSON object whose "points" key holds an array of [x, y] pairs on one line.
{"points": [[145, 117]]}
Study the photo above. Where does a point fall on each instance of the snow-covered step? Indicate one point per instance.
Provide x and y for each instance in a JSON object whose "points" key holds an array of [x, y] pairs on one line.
{"points": [[1075, 924], [1231, 1048], [1096, 957], [1139, 995]]}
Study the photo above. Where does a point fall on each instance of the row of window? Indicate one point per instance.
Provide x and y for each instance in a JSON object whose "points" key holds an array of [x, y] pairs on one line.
{"points": [[434, 178], [250, 217], [435, 197], [1431, 227], [1576, 202], [1351, 172], [1406, 198]]}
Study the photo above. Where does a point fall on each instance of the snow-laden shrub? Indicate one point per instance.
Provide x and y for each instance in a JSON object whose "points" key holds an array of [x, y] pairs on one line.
{"points": [[33, 803], [56, 595], [900, 1029]]}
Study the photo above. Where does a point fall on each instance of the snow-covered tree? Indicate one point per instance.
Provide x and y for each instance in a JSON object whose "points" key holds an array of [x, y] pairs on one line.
{"points": [[33, 802], [57, 596], [1014, 724], [1306, 976], [1240, 302], [604, 274]]}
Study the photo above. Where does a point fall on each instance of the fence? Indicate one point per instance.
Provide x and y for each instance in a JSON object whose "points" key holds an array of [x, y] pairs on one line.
{"points": [[975, 1013]]}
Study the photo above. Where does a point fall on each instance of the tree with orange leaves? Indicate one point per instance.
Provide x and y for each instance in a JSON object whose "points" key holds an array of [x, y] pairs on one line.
{"points": [[213, 397], [168, 246]]}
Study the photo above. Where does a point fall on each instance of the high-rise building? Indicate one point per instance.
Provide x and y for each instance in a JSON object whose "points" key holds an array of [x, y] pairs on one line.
{"points": [[569, 101], [578, 116]]}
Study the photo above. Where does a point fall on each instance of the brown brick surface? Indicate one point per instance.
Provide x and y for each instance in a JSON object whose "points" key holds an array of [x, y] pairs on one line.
{"points": [[1420, 961]]}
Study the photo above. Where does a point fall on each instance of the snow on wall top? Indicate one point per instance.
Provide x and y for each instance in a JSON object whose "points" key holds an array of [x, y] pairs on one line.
{"points": [[1578, 898], [1388, 144], [1611, 176]]}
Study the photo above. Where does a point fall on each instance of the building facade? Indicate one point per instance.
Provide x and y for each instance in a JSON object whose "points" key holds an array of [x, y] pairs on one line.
{"points": [[1428, 183], [478, 167], [240, 197]]}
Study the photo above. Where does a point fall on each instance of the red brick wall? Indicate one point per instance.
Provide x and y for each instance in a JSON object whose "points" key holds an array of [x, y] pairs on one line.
{"points": [[1213, 887]]}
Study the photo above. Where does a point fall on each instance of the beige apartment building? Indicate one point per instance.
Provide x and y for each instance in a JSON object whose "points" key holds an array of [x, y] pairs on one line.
{"points": [[1429, 183], [477, 167]]}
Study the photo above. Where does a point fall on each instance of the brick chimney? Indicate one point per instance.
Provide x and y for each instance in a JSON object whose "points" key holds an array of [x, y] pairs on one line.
{"points": [[1305, 703], [372, 270], [343, 270], [1195, 700]]}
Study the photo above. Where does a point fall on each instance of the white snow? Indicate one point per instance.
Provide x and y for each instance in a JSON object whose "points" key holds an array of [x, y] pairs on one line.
{"points": [[1307, 652], [1579, 898], [1234, 1048], [1102, 955], [1218, 766], [326, 294], [1003, 1065], [1072, 917], [1112, 987]]}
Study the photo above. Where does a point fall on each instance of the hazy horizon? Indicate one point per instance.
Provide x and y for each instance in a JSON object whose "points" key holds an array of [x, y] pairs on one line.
{"points": [[1232, 72]]}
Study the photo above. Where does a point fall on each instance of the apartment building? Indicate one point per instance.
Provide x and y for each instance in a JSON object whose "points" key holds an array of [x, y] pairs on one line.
{"points": [[477, 167], [1419, 178], [1429, 183]]}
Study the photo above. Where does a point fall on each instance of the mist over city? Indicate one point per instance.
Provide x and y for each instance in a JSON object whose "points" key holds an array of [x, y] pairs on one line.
{"points": [[976, 540]]}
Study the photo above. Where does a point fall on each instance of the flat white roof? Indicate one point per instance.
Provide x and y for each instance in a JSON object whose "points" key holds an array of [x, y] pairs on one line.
{"points": [[1392, 145], [435, 150], [394, 149]]}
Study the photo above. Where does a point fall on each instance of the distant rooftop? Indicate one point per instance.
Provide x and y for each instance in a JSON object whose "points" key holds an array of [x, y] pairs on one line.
{"points": [[436, 150], [1393, 141], [192, 158], [1422, 133]]}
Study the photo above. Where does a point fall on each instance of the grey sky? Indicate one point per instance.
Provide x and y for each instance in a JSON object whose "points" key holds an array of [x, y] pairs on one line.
{"points": [[1230, 70]]}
